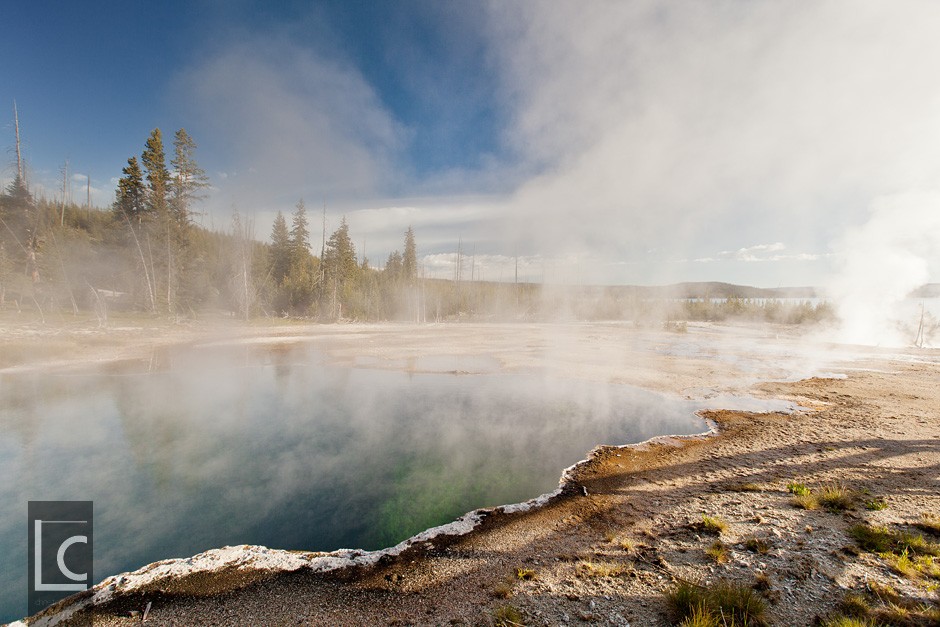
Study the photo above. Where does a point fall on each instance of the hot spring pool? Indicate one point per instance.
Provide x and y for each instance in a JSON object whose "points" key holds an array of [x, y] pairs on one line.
{"points": [[205, 447]]}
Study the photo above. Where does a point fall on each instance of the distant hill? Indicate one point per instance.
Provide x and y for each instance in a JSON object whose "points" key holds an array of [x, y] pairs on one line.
{"points": [[714, 289], [710, 289]]}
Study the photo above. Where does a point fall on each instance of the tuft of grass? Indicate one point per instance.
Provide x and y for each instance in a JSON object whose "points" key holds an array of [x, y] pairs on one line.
{"points": [[916, 543], [873, 539], [587, 568], [724, 601], [700, 617], [903, 565], [626, 544], [623, 542], [878, 539], [805, 501], [714, 525], [718, 551], [525, 574], [913, 567], [876, 504], [742, 603], [854, 605], [799, 489], [508, 616], [836, 498], [884, 592], [686, 597], [503, 590], [933, 614], [848, 621], [896, 614], [757, 545]]}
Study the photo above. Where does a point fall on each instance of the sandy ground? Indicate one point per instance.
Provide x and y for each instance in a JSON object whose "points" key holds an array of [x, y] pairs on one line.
{"points": [[628, 526]]}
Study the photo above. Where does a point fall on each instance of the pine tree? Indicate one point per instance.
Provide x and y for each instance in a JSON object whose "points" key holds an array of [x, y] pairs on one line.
{"points": [[189, 180], [340, 256], [393, 266], [154, 161], [165, 237], [280, 249], [299, 233], [340, 267], [410, 258], [130, 192]]}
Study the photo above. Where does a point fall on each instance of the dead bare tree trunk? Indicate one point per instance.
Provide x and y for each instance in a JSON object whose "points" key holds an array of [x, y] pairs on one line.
{"points": [[65, 277], [143, 264], [101, 307], [919, 339], [19, 156]]}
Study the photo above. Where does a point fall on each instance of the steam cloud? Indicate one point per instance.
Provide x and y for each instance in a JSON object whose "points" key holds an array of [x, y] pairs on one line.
{"points": [[881, 262], [646, 140]]}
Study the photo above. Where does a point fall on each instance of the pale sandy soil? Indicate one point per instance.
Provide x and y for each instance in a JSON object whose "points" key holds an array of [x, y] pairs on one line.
{"points": [[626, 529]]}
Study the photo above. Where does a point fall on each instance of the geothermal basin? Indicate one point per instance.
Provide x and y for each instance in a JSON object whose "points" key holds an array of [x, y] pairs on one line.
{"points": [[349, 439]]}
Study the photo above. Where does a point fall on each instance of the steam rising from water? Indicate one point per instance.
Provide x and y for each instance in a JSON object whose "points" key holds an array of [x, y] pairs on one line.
{"points": [[881, 263]]}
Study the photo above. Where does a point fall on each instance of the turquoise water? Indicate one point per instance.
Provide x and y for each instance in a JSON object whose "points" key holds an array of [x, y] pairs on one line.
{"points": [[201, 448]]}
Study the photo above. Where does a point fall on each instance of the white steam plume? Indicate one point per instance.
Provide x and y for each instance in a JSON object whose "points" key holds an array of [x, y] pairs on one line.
{"points": [[881, 262]]}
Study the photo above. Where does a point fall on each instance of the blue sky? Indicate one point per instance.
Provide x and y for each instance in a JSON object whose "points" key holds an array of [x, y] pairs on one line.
{"points": [[602, 142], [91, 81]]}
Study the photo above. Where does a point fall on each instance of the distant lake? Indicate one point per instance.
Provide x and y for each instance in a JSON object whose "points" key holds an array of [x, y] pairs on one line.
{"points": [[199, 448]]}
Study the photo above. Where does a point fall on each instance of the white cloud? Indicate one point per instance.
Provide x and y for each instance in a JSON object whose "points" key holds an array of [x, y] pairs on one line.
{"points": [[292, 124]]}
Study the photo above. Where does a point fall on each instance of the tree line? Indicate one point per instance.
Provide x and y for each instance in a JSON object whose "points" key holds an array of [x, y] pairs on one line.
{"points": [[146, 253]]}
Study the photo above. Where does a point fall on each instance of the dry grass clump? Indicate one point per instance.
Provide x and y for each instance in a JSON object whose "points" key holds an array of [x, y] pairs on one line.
{"points": [[855, 605], [882, 607], [805, 501], [625, 543], [848, 621], [836, 497], [757, 545], [876, 504], [508, 616], [713, 525], [503, 590], [877, 539], [700, 617], [587, 568], [718, 551], [914, 567], [721, 603]]}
